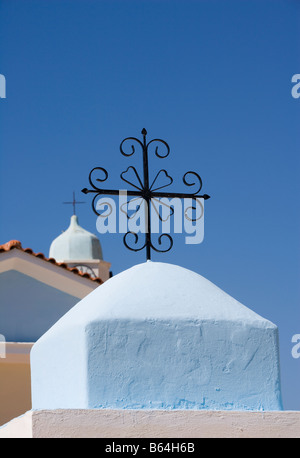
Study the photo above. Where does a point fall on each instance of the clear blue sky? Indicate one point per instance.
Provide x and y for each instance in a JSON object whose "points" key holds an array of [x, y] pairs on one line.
{"points": [[212, 78]]}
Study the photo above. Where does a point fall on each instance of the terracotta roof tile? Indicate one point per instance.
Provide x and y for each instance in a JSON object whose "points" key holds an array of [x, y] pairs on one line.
{"points": [[16, 244]]}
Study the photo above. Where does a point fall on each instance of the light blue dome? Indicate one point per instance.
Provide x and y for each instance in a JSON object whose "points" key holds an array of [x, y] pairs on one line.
{"points": [[75, 244], [158, 336]]}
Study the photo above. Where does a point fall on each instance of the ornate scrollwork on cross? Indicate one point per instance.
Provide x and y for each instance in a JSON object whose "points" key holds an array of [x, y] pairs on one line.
{"points": [[146, 193]]}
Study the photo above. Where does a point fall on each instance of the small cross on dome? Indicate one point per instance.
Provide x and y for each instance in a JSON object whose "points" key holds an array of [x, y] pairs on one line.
{"points": [[74, 203]]}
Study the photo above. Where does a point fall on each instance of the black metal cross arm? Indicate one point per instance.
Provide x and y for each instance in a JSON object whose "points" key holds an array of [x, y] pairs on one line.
{"points": [[112, 192], [180, 195]]}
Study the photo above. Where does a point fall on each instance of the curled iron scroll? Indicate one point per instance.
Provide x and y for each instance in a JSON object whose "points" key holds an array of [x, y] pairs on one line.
{"points": [[92, 179], [132, 146], [186, 182], [160, 250], [136, 239], [158, 140]]}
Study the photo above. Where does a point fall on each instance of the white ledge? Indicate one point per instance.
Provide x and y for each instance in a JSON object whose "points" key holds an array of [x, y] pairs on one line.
{"points": [[106, 423]]}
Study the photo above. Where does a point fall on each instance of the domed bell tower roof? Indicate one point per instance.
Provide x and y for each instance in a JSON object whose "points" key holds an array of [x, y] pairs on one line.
{"points": [[75, 243]]}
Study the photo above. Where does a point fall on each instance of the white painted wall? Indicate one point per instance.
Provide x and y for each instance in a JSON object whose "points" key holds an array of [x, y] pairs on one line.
{"points": [[106, 423]]}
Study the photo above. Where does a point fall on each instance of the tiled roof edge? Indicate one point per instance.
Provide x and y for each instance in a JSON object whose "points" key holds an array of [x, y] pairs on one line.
{"points": [[16, 244]]}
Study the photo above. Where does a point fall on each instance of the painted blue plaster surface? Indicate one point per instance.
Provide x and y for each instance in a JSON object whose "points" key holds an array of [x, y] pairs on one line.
{"points": [[28, 307], [182, 365], [158, 337]]}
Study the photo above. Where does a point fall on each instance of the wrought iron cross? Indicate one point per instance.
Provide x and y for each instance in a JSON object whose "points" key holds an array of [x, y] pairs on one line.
{"points": [[149, 193], [74, 202]]}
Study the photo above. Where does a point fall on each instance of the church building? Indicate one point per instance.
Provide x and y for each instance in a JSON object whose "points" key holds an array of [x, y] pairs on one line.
{"points": [[36, 291]]}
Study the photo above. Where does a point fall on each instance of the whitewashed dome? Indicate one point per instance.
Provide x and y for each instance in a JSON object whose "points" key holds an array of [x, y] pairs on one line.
{"points": [[75, 244], [158, 336]]}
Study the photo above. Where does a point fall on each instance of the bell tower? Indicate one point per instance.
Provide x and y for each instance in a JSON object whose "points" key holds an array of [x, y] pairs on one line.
{"points": [[79, 248]]}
